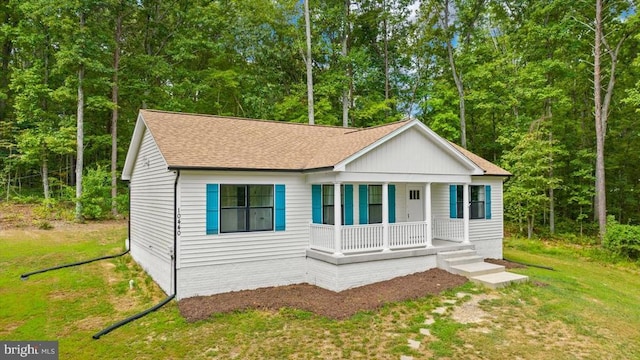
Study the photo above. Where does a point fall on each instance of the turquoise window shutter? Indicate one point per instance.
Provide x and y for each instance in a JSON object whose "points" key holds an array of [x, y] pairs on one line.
{"points": [[316, 204], [363, 203], [348, 204], [392, 203], [487, 202], [453, 201], [212, 209], [280, 208]]}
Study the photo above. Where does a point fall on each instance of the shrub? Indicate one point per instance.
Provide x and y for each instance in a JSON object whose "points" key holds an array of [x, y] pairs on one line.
{"points": [[96, 193], [54, 209], [622, 239]]}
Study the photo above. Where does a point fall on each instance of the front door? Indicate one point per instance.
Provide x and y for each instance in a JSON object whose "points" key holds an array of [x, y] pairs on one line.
{"points": [[415, 203]]}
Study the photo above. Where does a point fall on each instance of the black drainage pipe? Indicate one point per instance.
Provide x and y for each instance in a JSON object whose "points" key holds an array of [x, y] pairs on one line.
{"points": [[531, 265], [134, 317], [25, 276], [175, 271]]}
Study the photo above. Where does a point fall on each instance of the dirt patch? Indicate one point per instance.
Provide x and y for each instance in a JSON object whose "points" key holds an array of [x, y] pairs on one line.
{"points": [[28, 217], [335, 305], [470, 312], [505, 263]]}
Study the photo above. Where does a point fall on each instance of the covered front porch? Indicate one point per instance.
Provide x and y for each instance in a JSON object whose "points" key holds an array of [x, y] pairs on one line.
{"points": [[413, 216], [355, 239]]}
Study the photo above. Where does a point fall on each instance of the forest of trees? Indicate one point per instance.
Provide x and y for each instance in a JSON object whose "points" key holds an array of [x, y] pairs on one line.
{"points": [[515, 81]]}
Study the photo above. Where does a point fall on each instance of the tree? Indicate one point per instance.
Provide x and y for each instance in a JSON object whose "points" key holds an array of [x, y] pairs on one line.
{"points": [[602, 103], [526, 193], [309, 62]]}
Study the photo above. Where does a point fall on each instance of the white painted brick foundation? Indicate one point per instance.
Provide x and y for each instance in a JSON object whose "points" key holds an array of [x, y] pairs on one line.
{"points": [[215, 279], [489, 249], [159, 269], [346, 276]]}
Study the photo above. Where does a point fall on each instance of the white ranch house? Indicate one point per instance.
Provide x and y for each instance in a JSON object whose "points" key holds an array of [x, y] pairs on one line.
{"points": [[221, 204]]}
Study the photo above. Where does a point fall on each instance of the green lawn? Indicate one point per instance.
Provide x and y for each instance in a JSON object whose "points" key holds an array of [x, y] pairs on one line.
{"points": [[585, 309]]}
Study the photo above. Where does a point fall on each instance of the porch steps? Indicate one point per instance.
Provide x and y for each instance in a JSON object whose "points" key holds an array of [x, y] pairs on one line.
{"points": [[443, 258], [476, 268], [464, 260], [498, 280], [469, 264]]}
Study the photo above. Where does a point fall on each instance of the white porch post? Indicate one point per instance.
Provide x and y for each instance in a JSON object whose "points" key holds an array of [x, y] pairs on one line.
{"points": [[465, 211], [385, 217], [337, 219], [427, 214]]}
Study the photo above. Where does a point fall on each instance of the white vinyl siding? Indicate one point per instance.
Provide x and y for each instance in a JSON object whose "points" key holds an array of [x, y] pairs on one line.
{"points": [[152, 212], [199, 249], [409, 153], [479, 229], [489, 229], [440, 200]]}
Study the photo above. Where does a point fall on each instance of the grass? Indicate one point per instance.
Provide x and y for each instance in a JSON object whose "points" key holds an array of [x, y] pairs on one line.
{"points": [[587, 308]]}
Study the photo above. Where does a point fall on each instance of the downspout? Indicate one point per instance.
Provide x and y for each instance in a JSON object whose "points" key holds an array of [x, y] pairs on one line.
{"points": [[175, 234], [25, 276], [175, 268]]}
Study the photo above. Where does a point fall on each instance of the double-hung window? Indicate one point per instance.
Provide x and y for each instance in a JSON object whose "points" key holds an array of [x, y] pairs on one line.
{"points": [[375, 204], [246, 208], [328, 206], [479, 201], [240, 208]]}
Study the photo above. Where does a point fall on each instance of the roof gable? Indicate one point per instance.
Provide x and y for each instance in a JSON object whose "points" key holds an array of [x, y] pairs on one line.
{"points": [[413, 149]]}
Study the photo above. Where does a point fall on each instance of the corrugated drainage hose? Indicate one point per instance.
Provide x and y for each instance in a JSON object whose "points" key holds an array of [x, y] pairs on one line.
{"points": [[531, 265], [25, 276], [134, 317]]}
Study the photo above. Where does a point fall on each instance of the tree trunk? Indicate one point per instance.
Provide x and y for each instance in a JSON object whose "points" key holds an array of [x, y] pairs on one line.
{"points": [[552, 200], [457, 79], [45, 177], [601, 199], [114, 116], [80, 144], [80, 134], [529, 227], [309, 63], [346, 94], [386, 52]]}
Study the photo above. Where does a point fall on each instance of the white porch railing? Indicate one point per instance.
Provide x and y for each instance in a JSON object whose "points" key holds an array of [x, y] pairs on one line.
{"points": [[321, 237], [357, 238], [448, 229], [407, 234], [364, 238]]}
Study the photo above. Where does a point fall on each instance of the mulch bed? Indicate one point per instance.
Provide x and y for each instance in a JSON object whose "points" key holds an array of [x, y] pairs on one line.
{"points": [[323, 302], [334, 305]]}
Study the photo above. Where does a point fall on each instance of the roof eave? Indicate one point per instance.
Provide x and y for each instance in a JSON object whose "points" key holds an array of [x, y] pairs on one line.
{"points": [[218, 168], [134, 147]]}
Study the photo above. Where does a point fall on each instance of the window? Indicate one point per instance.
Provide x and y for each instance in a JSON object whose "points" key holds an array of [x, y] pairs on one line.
{"points": [[240, 208], [479, 201], [246, 208], [328, 205], [375, 204], [414, 194]]}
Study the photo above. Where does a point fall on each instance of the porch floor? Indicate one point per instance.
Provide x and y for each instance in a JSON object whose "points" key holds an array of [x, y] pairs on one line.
{"points": [[353, 258]]}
